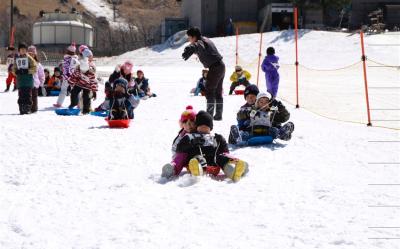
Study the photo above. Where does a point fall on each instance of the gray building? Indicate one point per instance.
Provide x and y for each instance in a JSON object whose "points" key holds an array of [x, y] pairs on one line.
{"points": [[361, 8], [212, 16]]}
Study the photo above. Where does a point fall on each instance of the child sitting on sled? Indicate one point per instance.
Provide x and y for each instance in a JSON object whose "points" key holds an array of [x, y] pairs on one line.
{"points": [[187, 125], [258, 122], [239, 77], [121, 71], [179, 160], [201, 84], [206, 152], [122, 102], [142, 87], [55, 80]]}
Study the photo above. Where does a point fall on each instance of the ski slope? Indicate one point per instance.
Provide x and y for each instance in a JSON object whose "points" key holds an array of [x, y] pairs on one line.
{"points": [[71, 182]]}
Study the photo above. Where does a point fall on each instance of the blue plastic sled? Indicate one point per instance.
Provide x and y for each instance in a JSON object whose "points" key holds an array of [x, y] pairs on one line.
{"points": [[100, 113], [67, 112], [255, 141], [54, 93]]}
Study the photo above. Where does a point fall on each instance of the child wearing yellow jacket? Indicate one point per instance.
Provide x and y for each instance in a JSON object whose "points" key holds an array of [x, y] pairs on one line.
{"points": [[239, 77]]}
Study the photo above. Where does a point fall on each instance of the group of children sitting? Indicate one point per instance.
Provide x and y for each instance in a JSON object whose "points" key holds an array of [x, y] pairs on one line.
{"points": [[261, 115], [200, 151], [75, 76], [205, 153], [123, 92]]}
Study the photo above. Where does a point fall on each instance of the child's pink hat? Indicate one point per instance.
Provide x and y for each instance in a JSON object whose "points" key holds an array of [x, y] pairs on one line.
{"points": [[71, 48], [128, 65], [82, 47], [188, 114]]}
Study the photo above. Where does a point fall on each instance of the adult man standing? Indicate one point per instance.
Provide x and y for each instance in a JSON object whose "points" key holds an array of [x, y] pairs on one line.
{"points": [[211, 59]]}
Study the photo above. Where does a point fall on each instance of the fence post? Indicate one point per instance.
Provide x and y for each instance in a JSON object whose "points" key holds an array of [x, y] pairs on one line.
{"points": [[297, 58], [364, 58], [259, 58], [237, 45], [12, 37]]}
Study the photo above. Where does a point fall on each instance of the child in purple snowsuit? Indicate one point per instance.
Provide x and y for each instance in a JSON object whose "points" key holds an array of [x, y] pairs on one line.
{"points": [[270, 66]]}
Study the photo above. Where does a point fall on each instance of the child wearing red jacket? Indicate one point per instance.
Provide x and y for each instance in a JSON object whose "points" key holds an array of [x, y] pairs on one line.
{"points": [[83, 79], [11, 77]]}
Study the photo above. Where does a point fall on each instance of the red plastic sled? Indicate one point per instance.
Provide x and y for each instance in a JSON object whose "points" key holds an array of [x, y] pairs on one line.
{"points": [[119, 123], [239, 92]]}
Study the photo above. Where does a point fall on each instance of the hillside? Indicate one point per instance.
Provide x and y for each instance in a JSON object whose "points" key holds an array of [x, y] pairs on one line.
{"points": [[32, 8], [137, 24]]}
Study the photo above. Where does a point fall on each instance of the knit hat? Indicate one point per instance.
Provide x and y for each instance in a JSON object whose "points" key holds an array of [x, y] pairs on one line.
{"points": [[270, 51], [188, 114], [87, 53], [238, 68], [204, 118], [263, 95], [71, 48], [140, 71], [57, 69], [127, 66], [82, 47], [251, 89], [122, 82], [32, 49]]}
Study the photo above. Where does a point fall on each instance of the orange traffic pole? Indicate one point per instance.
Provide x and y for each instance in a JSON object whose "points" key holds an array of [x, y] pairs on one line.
{"points": [[237, 45], [259, 58], [297, 58], [364, 58], [11, 44]]}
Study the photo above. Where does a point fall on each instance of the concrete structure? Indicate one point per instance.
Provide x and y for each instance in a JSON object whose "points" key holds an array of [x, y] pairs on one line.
{"points": [[361, 8], [62, 29], [170, 26], [212, 16]]}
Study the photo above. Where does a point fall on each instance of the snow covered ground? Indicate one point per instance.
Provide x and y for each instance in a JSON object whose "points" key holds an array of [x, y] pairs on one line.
{"points": [[71, 182]]}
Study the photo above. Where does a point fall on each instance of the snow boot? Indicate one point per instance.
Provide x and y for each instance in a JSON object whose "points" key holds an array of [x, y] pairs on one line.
{"points": [[210, 108], [168, 171], [7, 89], [285, 133], [15, 88], [218, 111], [24, 109], [196, 165], [236, 169], [234, 135]]}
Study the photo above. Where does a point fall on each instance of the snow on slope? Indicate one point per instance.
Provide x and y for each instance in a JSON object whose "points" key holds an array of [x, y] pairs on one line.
{"points": [[345, 49], [100, 8], [70, 182]]}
